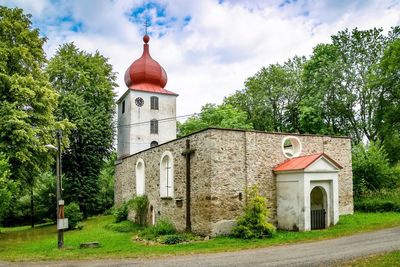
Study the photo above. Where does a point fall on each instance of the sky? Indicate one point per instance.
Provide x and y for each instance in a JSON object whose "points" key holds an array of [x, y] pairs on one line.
{"points": [[207, 47]]}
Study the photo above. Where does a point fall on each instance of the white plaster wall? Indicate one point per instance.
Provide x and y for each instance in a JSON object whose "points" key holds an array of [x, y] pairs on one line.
{"points": [[136, 137], [322, 165], [290, 201], [293, 195], [123, 133]]}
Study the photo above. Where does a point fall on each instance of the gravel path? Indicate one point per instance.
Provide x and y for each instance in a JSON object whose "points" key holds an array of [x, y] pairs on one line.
{"points": [[319, 253]]}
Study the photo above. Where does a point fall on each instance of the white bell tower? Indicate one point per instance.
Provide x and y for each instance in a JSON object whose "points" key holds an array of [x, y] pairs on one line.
{"points": [[146, 111]]}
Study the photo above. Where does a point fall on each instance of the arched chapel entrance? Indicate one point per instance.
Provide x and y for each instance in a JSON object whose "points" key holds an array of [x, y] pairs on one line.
{"points": [[318, 208]]}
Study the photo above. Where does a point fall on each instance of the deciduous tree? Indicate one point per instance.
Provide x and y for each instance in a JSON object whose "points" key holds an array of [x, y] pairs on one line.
{"points": [[223, 116], [336, 80], [85, 84], [271, 97], [27, 100], [387, 80]]}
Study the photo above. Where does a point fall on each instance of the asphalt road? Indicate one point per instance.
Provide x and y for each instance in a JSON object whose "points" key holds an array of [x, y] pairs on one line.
{"points": [[320, 253]]}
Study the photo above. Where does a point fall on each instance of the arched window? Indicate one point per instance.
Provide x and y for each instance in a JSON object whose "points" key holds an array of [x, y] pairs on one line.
{"points": [[140, 177], [154, 126], [154, 102], [153, 144], [166, 175]]}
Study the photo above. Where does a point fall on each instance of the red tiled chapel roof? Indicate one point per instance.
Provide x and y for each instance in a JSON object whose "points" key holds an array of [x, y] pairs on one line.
{"points": [[301, 163]]}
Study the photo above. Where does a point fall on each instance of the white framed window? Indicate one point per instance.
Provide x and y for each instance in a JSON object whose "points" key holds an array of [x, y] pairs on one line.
{"points": [[154, 102], [291, 146], [140, 177], [167, 175], [154, 126]]}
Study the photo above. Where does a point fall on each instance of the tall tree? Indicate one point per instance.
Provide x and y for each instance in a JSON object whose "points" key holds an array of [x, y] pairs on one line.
{"points": [[27, 100], [271, 97], [337, 84], [223, 116], [85, 84], [7, 186], [387, 80]]}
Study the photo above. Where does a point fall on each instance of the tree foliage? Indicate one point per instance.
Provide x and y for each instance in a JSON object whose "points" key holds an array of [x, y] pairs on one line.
{"points": [[387, 79], [106, 184], [223, 116], [7, 186], [74, 215], [271, 97], [371, 169], [27, 103], [45, 197], [27, 100], [337, 87], [85, 84]]}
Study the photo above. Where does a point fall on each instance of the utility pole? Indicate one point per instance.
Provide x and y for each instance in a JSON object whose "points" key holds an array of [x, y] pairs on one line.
{"points": [[60, 202]]}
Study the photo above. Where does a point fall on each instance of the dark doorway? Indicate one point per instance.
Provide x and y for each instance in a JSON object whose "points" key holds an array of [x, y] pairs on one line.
{"points": [[318, 212]]}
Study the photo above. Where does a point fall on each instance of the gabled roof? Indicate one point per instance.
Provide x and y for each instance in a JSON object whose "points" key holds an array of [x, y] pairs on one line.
{"points": [[301, 163]]}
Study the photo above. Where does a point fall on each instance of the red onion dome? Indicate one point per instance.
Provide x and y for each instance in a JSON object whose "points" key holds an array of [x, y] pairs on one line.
{"points": [[146, 74]]}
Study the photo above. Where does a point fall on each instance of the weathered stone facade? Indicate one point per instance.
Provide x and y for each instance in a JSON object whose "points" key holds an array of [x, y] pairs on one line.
{"points": [[225, 163]]}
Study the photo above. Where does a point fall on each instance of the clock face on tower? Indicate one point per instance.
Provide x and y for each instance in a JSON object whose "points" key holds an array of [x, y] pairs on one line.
{"points": [[139, 101]]}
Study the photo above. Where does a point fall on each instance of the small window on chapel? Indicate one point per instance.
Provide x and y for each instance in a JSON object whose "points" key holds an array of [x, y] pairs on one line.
{"points": [[123, 107], [154, 127], [291, 146], [153, 144], [154, 102]]}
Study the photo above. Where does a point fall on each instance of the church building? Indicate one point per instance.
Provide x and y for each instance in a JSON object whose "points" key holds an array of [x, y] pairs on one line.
{"points": [[199, 182]]}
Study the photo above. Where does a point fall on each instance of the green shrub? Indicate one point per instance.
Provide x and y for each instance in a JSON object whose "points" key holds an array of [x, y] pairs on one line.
{"points": [[140, 204], [74, 215], [379, 201], [371, 169], [254, 224], [173, 239], [376, 205], [162, 227], [124, 227], [121, 212]]}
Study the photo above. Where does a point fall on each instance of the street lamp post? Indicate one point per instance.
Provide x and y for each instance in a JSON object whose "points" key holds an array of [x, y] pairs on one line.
{"points": [[60, 202]]}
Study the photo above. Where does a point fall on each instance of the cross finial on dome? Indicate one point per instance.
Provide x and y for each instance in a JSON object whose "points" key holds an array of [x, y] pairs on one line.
{"points": [[146, 38]]}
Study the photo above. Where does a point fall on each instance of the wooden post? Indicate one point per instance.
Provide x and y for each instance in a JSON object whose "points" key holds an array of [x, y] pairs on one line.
{"points": [[187, 153]]}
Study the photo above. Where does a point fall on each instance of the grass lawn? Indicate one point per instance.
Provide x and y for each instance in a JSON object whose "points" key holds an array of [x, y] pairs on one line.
{"points": [[26, 244], [382, 260]]}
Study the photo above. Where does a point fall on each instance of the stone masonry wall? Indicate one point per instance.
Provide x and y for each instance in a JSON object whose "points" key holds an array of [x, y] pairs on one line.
{"points": [[225, 162], [241, 158], [228, 178], [125, 187]]}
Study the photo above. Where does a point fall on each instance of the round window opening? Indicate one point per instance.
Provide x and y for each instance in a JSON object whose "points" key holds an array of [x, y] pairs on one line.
{"points": [[291, 147]]}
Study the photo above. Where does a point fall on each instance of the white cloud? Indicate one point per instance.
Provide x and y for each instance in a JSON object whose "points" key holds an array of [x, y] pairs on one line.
{"points": [[221, 46]]}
